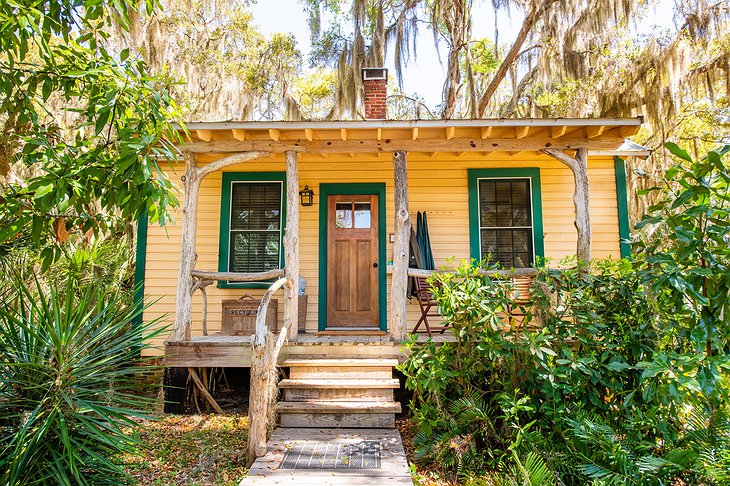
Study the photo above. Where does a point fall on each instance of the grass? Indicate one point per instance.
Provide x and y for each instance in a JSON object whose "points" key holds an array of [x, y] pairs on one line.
{"points": [[190, 450]]}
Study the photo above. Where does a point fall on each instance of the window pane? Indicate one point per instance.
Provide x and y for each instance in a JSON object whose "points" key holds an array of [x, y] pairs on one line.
{"points": [[504, 241], [362, 215], [504, 192], [489, 242], [488, 214], [522, 260], [504, 216], [505, 260], [521, 240], [520, 193], [254, 251], [521, 216], [487, 191], [343, 215]]}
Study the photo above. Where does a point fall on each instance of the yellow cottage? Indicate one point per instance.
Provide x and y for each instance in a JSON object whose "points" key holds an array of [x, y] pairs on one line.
{"points": [[346, 195]]}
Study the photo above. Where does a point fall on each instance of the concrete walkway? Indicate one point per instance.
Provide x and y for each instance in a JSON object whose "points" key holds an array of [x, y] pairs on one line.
{"points": [[331, 457]]}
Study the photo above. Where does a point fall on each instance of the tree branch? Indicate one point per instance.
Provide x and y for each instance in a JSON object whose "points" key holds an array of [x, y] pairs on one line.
{"points": [[228, 161], [530, 19]]}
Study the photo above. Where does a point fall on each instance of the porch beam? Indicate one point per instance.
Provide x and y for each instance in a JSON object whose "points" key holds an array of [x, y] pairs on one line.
{"points": [[399, 282], [581, 198], [608, 141]]}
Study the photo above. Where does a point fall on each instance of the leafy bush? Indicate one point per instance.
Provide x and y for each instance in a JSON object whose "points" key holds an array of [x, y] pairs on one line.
{"points": [[68, 360], [617, 374]]}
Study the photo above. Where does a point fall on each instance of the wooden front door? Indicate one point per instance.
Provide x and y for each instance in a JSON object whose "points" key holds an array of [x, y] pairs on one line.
{"points": [[352, 261]]}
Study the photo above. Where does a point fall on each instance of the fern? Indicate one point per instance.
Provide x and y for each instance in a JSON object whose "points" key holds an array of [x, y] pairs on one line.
{"points": [[534, 472]]}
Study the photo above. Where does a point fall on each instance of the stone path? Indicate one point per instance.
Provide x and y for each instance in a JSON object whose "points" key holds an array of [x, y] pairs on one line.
{"points": [[331, 457]]}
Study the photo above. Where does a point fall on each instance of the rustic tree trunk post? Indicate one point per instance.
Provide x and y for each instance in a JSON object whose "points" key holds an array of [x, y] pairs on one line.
{"points": [[191, 188], [399, 282], [291, 245], [581, 198], [184, 294]]}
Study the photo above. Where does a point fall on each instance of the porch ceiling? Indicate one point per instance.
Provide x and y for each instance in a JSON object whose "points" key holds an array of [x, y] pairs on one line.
{"points": [[429, 136]]}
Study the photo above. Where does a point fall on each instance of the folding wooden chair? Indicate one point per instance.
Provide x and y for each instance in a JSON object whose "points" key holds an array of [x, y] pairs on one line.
{"points": [[428, 305]]}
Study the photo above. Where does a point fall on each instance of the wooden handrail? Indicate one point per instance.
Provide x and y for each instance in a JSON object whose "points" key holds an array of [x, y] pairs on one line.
{"points": [[237, 276], [261, 329], [497, 273]]}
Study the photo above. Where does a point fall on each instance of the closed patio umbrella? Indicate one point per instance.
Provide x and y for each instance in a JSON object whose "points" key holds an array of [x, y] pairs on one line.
{"points": [[428, 261]]}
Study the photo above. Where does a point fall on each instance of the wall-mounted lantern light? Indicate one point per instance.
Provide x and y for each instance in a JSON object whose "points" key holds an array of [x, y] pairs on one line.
{"points": [[306, 196]]}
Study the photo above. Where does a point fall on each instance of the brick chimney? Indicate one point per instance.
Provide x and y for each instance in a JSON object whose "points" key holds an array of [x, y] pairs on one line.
{"points": [[374, 81]]}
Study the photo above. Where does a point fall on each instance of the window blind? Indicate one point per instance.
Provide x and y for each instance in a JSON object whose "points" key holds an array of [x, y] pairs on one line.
{"points": [[255, 229]]}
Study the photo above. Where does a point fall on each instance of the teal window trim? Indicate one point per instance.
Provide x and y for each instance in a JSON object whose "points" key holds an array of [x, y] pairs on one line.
{"points": [[140, 264], [474, 175], [622, 204], [225, 223], [357, 188]]}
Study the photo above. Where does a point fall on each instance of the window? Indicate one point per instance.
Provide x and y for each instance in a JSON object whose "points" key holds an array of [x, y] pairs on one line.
{"points": [[252, 219], [505, 216]]}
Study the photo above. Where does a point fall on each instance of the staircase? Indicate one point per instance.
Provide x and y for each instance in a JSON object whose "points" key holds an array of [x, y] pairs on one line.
{"points": [[342, 392]]}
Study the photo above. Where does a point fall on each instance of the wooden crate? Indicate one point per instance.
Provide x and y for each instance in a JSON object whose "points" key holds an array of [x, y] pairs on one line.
{"points": [[239, 316]]}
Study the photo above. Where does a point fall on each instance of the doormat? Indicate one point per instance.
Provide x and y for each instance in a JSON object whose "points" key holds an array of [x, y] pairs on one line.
{"points": [[332, 455]]}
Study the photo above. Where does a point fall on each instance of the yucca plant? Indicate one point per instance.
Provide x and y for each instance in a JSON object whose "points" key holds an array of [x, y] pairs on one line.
{"points": [[68, 392]]}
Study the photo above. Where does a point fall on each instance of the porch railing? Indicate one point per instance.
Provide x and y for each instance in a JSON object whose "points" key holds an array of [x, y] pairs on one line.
{"points": [[202, 278]]}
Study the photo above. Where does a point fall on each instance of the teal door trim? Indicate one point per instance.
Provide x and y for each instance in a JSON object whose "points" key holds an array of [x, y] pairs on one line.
{"points": [[356, 188], [622, 205], [140, 265]]}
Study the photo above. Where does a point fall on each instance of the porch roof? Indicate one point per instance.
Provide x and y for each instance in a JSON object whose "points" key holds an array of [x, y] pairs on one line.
{"points": [[482, 135]]}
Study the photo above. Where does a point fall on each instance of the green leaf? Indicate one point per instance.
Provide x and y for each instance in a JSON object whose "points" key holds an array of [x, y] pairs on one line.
{"points": [[42, 191], [677, 151], [101, 120]]}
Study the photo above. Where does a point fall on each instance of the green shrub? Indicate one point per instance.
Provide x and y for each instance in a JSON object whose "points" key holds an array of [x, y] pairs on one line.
{"points": [[618, 373], [68, 360]]}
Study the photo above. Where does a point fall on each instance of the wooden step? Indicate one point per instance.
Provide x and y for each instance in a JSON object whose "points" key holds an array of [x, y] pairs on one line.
{"points": [[338, 407], [338, 420], [340, 373], [335, 383], [338, 394], [344, 414], [340, 362], [339, 389]]}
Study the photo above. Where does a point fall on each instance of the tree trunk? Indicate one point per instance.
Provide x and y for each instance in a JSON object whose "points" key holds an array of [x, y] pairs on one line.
{"points": [[530, 19], [184, 295], [581, 198], [291, 245], [581, 201], [399, 282]]}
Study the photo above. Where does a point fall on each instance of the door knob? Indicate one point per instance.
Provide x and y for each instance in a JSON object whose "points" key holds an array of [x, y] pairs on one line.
{"points": [[375, 265]]}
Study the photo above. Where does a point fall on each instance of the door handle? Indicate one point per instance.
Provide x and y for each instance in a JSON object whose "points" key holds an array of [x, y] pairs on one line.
{"points": [[375, 265]]}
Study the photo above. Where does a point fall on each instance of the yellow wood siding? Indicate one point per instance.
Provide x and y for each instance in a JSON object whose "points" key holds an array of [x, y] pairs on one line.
{"points": [[437, 185]]}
